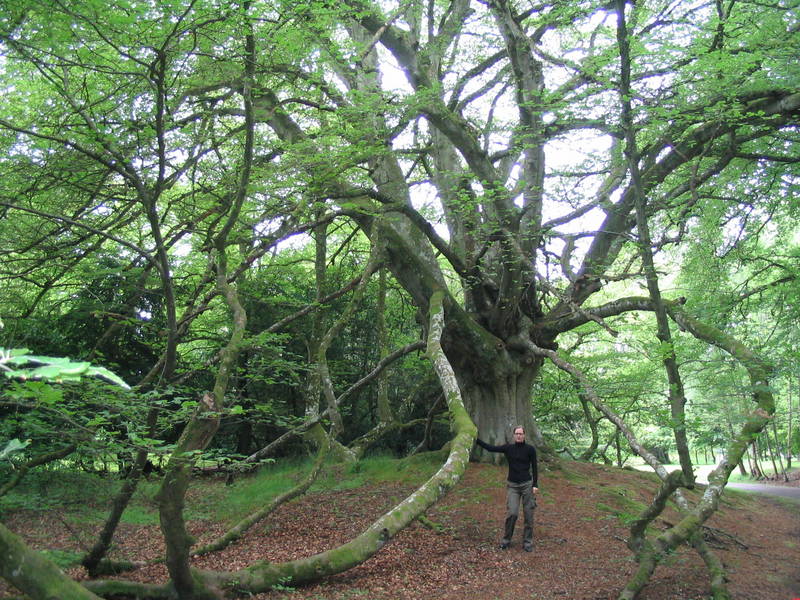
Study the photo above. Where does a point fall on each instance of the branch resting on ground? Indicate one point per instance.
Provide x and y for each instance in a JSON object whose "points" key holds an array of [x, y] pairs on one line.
{"points": [[263, 576]]}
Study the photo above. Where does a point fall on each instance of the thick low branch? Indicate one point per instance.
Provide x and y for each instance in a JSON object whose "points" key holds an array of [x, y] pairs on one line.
{"points": [[34, 574], [754, 422], [263, 576], [673, 481]]}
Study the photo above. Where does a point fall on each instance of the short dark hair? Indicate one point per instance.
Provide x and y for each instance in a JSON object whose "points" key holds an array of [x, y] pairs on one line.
{"points": [[518, 427]]}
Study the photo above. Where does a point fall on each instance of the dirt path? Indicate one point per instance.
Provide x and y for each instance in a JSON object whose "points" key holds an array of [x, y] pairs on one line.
{"points": [[784, 491]]}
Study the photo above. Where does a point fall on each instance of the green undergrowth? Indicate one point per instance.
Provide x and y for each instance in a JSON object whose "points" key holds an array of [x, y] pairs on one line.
{"points": [[56, 489], [619, 502], [211, 499], [376, 469], [84, 498]]}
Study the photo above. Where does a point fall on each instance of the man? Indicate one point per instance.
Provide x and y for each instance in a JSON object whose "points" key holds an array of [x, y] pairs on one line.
{"points": [[522, 485]]}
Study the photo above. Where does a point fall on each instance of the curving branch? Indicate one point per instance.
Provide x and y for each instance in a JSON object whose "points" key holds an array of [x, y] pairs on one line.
{"points": [[651, 552], [263, 576]]}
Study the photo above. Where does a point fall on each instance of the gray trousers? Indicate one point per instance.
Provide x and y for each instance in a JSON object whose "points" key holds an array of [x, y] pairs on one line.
{"points": [[519, 493]]}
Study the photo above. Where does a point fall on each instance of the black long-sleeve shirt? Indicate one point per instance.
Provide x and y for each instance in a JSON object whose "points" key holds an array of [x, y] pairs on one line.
{"points": [[522, 464]]}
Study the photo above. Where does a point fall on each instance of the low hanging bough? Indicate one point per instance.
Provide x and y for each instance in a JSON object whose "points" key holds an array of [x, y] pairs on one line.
{"points": [[759, 373], [262, 576], [650, 552]]}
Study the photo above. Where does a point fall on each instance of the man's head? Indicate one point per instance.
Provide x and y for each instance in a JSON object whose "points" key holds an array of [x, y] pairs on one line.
{"points": [[519, 434]]}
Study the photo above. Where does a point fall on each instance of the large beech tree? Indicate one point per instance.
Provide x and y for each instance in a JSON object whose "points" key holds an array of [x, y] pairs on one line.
{"points": [[517, 166], [509, 120]]}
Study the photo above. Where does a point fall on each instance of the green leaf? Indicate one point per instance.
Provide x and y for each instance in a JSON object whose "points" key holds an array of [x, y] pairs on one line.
{"points": [[58, 369], [109, 376], [13, 446]]}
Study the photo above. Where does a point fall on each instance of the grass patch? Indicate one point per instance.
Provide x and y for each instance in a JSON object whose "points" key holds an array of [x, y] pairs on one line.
{"points": [[571, 475], [617, 502], [230, 503], [378, 468], [138, 514], [63, 558]]}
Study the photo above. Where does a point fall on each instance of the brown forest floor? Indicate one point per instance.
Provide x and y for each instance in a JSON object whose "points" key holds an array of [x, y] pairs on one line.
{"points": [[579, 553]]}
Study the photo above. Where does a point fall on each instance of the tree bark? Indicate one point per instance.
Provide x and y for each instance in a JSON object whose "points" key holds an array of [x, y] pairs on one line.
{"points": [[592, 423], [38, 577], [384, 408], [789, 426], [498, 404], [171, 495], [677, 398]]}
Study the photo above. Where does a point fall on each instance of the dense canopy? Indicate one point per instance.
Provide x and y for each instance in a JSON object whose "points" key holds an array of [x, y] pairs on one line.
{"points": [[341, 219]]}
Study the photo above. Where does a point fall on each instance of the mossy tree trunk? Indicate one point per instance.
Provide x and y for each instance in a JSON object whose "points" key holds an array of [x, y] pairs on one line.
{"points": [[34, 574], [205, 422], [196, 436], [263, 576]]}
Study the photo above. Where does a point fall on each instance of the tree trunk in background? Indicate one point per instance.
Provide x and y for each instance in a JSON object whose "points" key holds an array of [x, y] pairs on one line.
{"points": [[316, 434], [756, 472], [385, 413], [771, 452], [244, 438], [592, 422], [789, 441], [677, 397], [779, 470]]}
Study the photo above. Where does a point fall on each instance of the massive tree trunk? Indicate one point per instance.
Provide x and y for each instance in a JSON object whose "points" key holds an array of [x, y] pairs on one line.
{"points": [[488, 181], [499, 400]]}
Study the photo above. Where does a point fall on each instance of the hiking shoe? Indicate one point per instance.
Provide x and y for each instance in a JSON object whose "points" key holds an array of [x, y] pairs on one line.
{"points": [[528, 548], [504, 545]]}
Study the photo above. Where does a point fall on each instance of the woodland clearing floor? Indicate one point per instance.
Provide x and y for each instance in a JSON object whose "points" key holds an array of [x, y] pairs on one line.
{"points": [[579, 551]]}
